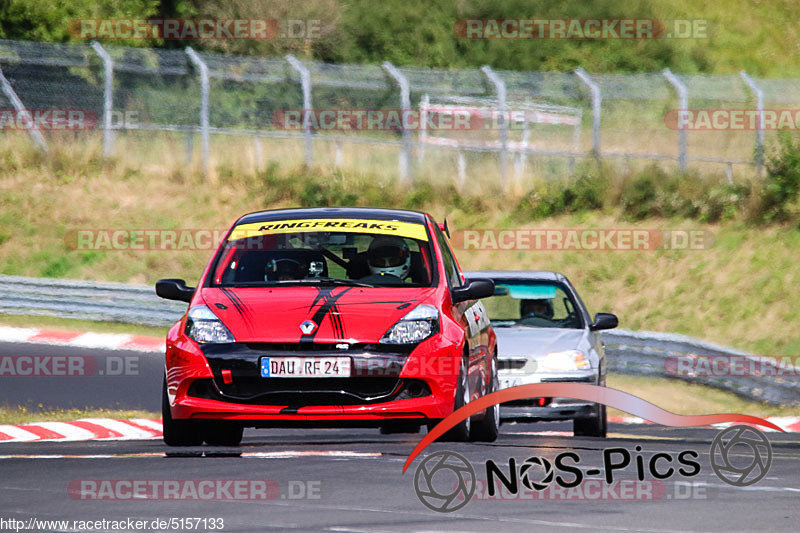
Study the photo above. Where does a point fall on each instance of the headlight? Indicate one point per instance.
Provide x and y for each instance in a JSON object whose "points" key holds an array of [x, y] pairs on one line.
{"points": [[419, 324], [564, 361], [203, 326]]}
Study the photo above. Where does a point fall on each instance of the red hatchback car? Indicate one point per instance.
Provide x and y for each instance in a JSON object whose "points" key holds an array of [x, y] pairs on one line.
{"points": [[328, 318]]}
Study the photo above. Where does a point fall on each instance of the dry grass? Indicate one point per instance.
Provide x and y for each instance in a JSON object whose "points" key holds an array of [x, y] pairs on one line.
{"points": [[21, 415], [691, 399]]}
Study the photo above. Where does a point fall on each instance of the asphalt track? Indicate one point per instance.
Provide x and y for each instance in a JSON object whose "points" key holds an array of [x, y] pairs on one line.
{"points": [[356, 478]]}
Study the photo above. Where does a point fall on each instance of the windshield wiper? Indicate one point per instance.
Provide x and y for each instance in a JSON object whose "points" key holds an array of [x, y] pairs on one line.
{"points": [[330, 281]]}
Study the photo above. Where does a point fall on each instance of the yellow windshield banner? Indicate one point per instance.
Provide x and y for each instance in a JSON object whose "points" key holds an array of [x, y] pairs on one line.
{"points": [[347, 225]]}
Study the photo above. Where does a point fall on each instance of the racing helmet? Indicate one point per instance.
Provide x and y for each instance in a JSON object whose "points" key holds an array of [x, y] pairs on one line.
{"points": [[527, 308], [389, 255]]}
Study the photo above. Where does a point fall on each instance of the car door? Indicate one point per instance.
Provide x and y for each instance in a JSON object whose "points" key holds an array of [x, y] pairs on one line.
{"points": [[473, 318]]}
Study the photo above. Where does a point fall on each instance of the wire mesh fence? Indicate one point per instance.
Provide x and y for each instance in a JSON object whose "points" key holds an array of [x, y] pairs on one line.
{"points": [[204, 108]]}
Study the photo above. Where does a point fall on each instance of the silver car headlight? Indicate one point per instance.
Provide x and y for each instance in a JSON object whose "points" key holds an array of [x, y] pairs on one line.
{"points": [[203, 326], [418, 324], [566, 361]]}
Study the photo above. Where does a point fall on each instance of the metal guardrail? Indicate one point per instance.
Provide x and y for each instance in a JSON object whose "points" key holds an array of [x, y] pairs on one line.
{"points": [[647, 353], [87, 300], [640, 353]]}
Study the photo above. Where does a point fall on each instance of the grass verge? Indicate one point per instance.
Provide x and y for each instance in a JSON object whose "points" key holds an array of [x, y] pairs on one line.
{"points": [[69, 324], [21, 415]]}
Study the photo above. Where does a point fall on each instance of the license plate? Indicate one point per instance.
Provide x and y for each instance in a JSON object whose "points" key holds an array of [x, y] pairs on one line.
{"points": [[305, 367]]}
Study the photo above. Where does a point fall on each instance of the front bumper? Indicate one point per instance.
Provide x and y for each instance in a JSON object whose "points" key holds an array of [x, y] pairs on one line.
{"points": [[532, 409], [223, 381]]}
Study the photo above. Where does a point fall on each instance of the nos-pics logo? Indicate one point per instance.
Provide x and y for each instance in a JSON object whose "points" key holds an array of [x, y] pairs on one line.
{"points": [[445, 481]]}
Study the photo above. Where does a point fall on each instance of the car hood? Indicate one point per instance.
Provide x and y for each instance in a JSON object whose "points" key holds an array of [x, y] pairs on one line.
{"points": [[340, 314], [516, 341]]}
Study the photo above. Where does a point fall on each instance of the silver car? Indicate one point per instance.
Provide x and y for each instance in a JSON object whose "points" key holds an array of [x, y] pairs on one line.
{"points": [[545, 334]]}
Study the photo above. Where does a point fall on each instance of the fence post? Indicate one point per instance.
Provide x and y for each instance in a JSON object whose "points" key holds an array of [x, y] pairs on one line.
{"points": [[108, 97], [36, 135], [683, 106], [204, 84], [597, 102], [423, 127], [404, 161], [500, 90], [759, 94], [305, 80]]}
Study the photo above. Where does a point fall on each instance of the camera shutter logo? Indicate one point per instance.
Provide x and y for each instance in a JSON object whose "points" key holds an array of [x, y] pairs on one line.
{"points": [[525, 475], [449, 473], [729, 455]]}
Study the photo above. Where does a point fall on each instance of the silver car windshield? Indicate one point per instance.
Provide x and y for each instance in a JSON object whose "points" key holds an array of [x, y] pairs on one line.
{"points": [[532, 304]]}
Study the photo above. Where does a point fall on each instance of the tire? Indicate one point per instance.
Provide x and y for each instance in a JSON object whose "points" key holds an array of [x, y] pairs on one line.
{"points": [[460, 433], [594, 426], [487, 428], [178, 432], [394, 428], [223, 434]]}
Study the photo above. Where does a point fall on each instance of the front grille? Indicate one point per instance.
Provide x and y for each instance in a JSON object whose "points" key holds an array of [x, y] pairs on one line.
{"points": [[511, 364], [299, 392], [315, 347]]}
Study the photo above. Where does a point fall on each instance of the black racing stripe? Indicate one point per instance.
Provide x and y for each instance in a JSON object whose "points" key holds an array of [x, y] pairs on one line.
{"points": [[245, 309], [328, 300], [336, 320], [237, 303]]}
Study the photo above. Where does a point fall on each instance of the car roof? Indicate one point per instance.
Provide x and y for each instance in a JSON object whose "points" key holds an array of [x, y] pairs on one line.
{"points": [[400, 215], [538, 275]]}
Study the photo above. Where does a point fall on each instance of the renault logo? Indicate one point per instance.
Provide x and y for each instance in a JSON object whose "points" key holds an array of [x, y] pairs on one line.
{"points": [[307, 327]]}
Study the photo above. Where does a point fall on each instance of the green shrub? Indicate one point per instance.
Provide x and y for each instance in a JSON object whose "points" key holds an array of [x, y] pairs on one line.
{"points": [[782, 184]]}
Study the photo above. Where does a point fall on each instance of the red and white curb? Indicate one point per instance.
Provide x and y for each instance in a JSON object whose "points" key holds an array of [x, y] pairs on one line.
{"points": [[82, 430], [148, 429], [105, 341]]}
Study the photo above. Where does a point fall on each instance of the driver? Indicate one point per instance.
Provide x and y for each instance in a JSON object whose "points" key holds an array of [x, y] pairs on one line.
{"points": [[388, 257], [540, 308], [283, 270]]}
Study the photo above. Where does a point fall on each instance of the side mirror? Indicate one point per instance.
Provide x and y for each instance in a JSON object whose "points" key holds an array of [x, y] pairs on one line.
{"points": [[174, 289], [473, 290], [444, 228], [604, 321]]}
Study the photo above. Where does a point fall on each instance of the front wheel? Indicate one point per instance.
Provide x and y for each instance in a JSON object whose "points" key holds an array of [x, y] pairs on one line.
{"points": [[461, 432], [487, 429], [178, 432]]}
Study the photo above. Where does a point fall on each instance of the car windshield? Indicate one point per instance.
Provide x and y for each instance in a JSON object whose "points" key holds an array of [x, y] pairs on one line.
{"points": [[370, 253], [532, 304]]}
